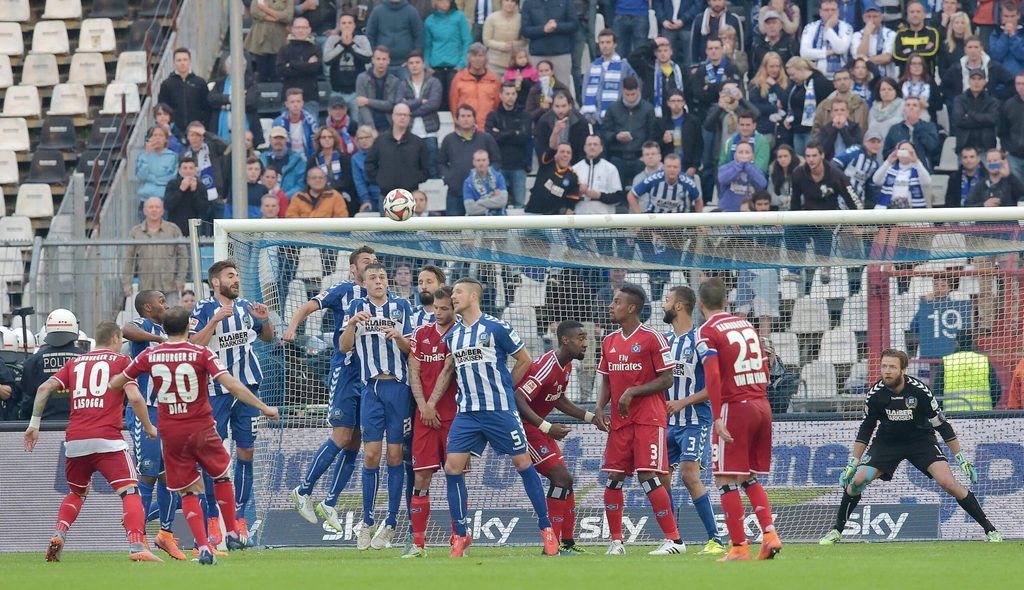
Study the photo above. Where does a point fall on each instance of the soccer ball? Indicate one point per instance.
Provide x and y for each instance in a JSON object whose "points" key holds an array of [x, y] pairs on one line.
{"points": [[399, 204]]}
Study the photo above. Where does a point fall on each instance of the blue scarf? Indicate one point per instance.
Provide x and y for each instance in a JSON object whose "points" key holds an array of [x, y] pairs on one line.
{"points": [[736, 139], [333, 171], [205, 164], [864, 92], [224, 119], [833, 63], [967, 183], [603, 87], [659, 83], [921, 90], [917, 200], [810, 104], [713, 75]]}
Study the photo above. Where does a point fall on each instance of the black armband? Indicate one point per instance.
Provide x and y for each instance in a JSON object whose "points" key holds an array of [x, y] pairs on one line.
{"points": [[945, 430]]}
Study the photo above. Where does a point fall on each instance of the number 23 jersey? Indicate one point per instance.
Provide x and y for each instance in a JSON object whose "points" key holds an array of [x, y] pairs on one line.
{"points": [[741, 362]]}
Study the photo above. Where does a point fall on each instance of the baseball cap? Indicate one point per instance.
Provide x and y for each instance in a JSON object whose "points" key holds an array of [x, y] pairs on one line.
{"points": [[278, 132], [771, 14], [61, 328], [869, 5], [977, 73], [873, 134]]}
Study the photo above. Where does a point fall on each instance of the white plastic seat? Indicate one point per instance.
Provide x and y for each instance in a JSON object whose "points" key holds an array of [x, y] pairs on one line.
{"points": [[902, 309], [40, 69], [97, 34], [309, 264], [529, 293], [15, 11], [8, 168], [332, 279], [6, 73], [63, 9], [12, 268], [524, 321], [88, 69], [131, 69], [34, 201], [786, 346], [22, 101], [838, 347], [855, 313], [3, 203], [642, 280], [296, 296], [838, 286], [14, 228], [791, 290], [51, 36], [11, 41], [818, 380], [112, 99], [14, 134], [69, 100], [810, 316], [436, 193]]}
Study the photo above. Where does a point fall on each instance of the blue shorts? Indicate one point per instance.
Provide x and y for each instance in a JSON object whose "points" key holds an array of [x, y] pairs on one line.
{"points": [[471, 431], [345, 389], [386, 410], [689, 443], [147, 450], [241, 417]]}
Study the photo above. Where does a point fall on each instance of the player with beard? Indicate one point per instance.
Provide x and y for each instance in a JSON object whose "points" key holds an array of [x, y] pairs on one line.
{"points": [[430, 279]]}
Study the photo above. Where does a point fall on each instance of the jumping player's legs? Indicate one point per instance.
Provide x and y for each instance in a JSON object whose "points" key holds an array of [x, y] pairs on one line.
{"points": [[343, 418]]}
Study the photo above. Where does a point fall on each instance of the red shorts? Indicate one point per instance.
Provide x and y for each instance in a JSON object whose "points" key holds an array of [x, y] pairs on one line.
{"points": [[543, 449], [116, 466], [750, 425], [636, 447], [429, 445], [182, 453]]}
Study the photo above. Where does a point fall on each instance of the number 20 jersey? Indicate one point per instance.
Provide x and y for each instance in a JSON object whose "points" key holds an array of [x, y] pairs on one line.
{"points": [[741, 362]]}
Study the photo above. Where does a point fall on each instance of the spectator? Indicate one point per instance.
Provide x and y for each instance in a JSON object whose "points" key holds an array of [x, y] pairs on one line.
{"points": [[157, 267], [522, 73], [1015, 399], [398, 26], [875, 42], [658, 74], [668, 191], [943, 13], [768, 90], [1001, 189], [476, 86], [975, 115], [510, 126], [321, 14], [422, 93], [859, 162], [272, 183], [627, 125], [60, 346], [739, 178], [339, 120], [1011, 127], [789, 16], [398, 159], [706, 80], [268, 34], [733, 52], [336, 166], [542, 94], [403, 281], [630, 23], [863, 80], [185, 92], [376, 89], [780, 175], [746, 132], [446, 39], [826, 42], [986, 17], [810, 88], [605, 77], [887, 110], [651, 158], [550, 26], [968, 175], [155, 166], [681, 134], [484, 191], [368, 190], [299, 64], [270, 207], [904, 181], [600, 185], [346, 55], [557, 188], [188, 300], [774, 39], [782, 385], [706, 27], [675, 24], [185, 197], [456, 156], [839, 133], [163, 117], [757, 290], [574, 132], [721, 123], [857, 107], [290, 165], [917, 38], [966, 380], [955, 79], [219, 100], [939, 321], [923, 134], [208, 151], [956, 34], [318, 200], [254, 191], [917, 81], [300, 125], [1006, 44], [421, 209], [502, 36]]}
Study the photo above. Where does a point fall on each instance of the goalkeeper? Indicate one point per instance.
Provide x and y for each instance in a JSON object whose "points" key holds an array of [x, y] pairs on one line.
{"points": [[909, 418]]}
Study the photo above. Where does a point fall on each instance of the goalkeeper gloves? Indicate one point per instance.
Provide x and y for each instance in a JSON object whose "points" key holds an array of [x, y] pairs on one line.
{"points": [[846, 477], [969, 470]]}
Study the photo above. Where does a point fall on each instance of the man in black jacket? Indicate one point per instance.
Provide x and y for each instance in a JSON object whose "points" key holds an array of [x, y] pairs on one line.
{"points": [[398, 159], [1001, 188], [456, 156], [185, 196], [299, 64], [774, 39], [10, 394], [975, 114], [185, 92], [207, 150], [60, 347], [509, 124], [1011, 127], [969, 174], [681, 134], [627, 124]]}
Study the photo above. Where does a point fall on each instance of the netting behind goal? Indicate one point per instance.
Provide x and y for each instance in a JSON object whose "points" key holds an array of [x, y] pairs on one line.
{"points": [[829, 298]]}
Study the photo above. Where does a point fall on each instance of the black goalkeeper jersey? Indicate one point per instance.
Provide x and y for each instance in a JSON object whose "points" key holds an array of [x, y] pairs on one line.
{"points": [[913, 415]]}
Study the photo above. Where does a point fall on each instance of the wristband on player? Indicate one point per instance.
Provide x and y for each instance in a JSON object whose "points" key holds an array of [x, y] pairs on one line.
{"points": [[34, 422], [589, 417], [545, 427]]}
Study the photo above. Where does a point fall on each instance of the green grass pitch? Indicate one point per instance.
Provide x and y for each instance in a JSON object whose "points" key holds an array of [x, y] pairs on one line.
{"points": [[905, 566]]}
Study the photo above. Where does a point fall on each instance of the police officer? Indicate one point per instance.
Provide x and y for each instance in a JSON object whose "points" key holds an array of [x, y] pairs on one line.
{"points": [[60, 347], [966, 381]]}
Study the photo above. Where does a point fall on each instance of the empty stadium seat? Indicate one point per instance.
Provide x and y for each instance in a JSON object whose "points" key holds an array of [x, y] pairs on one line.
{"points": [[818, 381], [22, 101], [107, 132], [40, 69], [15, 11], [529, 292], [88, 69], [115, 9], [269, 98], [13, 134], [6, 72], [70, 100], [63, 9], [102, 160], [47, 167], [112, 100], [8, 167], [58, 134], [855, 313], [838, 347], [902, 309], [641, 279], [810, 316], [97, 34], [51, 36], [296, 295], [11, 41], [132, 67], [35, 200], [12, 268], [309, 265], [837, 287], [15, 228], [155, 8], [787, 347], [138, 32], [524, 321]]}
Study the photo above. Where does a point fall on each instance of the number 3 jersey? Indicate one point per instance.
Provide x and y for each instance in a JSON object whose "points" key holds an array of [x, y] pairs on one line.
{"points": [[741, 362], [634, 360], [180, 372], [96, 415], [232, 340]]}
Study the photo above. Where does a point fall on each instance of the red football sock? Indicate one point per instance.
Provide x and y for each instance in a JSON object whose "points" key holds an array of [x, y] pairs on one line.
{"points": [[420, 509], [68, 512], [569, 525], [662, 505], [613, 512], [193, 512], [224, 491], [732, 505], [134, 518], [759, 504], [556, 511]]}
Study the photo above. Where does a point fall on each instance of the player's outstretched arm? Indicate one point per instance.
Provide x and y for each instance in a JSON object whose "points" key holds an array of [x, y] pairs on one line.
{"points": [[568, 408], [299, 318], [138, 403], [134, 333], [242, 394], [42, 395]]}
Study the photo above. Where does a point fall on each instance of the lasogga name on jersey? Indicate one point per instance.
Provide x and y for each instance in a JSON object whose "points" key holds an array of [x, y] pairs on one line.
{"points": [[469, 355]]}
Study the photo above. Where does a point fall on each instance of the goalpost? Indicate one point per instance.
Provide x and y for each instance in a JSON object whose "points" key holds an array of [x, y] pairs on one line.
{"points": [[829, 290]]}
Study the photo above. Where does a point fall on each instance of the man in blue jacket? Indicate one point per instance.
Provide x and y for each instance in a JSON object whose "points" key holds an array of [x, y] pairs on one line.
{"points": [[396, 25], [550, 26]]}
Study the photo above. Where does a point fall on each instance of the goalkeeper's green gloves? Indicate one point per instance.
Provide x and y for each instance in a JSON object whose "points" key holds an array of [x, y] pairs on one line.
{"points": [[969, 470], [846, 477]]}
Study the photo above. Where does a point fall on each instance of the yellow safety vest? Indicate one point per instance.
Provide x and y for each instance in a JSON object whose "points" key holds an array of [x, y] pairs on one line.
{"points": [[966, 383]]}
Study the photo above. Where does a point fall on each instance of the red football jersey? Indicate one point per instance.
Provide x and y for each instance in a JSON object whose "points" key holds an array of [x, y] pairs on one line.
{"points": [[634, 360], [429, 348], [742, 364], [545, 383], [180, 373], [96, 410]]}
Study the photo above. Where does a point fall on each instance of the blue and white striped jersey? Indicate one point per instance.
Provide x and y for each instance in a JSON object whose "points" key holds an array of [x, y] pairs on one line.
{"points": [[376, 353], [481, 355], [859, 167], [337, 299], [689, 379], [232, 341], [665, 198], [422, 317], [145, 382]]}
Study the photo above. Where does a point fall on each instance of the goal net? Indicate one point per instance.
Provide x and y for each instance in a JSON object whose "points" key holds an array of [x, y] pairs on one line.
{"points": [[828, 290]]}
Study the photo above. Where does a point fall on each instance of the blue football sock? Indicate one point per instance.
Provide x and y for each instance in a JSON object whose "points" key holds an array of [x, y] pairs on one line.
{"points": [[707, 515], [371, 479], [535, 490], [410, 480], [457, 497], [146, 495], [212, 509], [243, 486], [322, 459], [396, 487], [167, 503], [343, 471]]}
